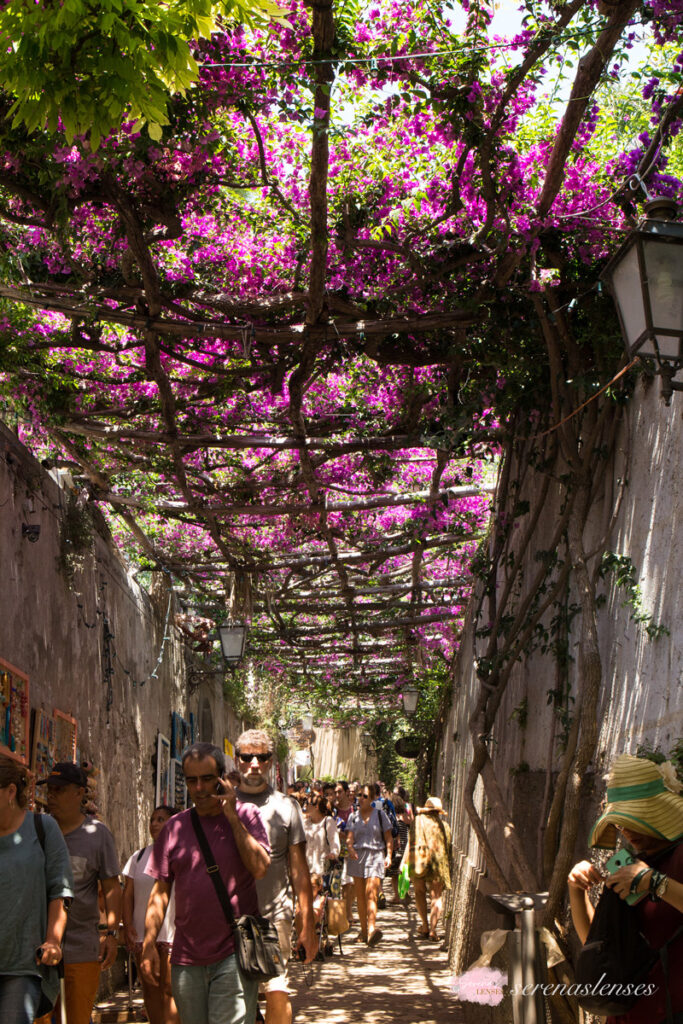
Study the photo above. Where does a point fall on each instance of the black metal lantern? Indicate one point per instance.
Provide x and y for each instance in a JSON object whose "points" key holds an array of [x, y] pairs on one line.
{"points": [[645, 278], [410, 697], [233, 637]]}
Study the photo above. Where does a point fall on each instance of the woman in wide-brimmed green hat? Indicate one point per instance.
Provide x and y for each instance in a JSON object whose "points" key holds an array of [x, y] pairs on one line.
{"points": [[644, 810]]}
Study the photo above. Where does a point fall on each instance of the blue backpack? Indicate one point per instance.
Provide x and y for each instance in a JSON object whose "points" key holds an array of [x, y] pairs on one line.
{"points": [[390, 811]]}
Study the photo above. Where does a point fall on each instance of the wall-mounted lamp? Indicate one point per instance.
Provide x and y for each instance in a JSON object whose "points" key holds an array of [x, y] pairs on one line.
{"points": [[233, 636], [410, 697], [366, 741], [645, 278]]}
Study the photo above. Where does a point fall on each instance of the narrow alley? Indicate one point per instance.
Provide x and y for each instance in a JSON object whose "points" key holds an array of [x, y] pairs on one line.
{"points": [[403, 980]]}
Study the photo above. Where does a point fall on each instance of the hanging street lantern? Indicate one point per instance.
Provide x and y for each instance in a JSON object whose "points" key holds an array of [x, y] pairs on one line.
{"points": [[410, 697], [645, 278], [307, 721], [233, 637]]}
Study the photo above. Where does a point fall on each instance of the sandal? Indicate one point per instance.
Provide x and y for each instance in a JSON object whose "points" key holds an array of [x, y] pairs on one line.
{"points": [[422, 935], [433, 937], [375, 937], [361, 937]]}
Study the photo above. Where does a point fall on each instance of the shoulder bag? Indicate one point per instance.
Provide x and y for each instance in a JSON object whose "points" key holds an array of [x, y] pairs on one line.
{"points": [[256, 941]]}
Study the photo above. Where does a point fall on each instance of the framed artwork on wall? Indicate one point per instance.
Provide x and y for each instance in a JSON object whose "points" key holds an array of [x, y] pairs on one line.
{"points": [[15, 712], [163, 787], [182, 734], [65, 736], [43, 745], [53, 739], [178, 788]]}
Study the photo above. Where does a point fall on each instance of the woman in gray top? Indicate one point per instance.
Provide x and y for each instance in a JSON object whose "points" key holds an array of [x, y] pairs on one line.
{"points": [[370, 843], [35, 878]]}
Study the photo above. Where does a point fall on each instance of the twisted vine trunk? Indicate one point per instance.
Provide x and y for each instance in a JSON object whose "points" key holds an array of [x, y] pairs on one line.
{"points": [[590, 675]]}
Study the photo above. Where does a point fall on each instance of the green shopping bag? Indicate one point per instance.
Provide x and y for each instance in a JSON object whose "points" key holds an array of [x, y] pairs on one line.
{"points": [[404, 881]]}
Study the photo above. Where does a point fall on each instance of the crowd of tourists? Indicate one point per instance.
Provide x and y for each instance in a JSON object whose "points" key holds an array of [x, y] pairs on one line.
{"points": [[232, 890], [297, 867]]}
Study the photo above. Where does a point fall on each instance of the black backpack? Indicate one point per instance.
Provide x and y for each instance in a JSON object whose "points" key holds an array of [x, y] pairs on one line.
{"points": [[615, 960]]}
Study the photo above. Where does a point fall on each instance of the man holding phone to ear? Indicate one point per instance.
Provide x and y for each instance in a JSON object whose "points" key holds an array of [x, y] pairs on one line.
{"points": [[207, 985]]}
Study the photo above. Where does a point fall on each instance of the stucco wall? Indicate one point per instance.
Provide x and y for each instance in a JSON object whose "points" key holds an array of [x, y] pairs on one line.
{"points": [[642, 695], [55, 633], [339, 753]]}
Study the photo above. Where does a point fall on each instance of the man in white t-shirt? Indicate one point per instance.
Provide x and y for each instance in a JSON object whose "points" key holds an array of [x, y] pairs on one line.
{"points": [[288, 869]]}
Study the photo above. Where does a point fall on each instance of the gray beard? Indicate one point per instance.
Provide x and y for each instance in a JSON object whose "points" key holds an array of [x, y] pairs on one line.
{"points": [[253, 784]]}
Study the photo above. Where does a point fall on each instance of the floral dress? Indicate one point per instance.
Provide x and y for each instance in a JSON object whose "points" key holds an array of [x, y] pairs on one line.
{"points": [[428, 850]]}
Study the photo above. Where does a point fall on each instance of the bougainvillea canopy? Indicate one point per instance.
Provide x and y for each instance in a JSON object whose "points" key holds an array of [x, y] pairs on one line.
{"points": [[280, 338]]}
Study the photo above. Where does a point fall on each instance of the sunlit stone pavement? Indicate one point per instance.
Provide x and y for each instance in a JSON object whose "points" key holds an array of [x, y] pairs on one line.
{"points": [[403, 979]]}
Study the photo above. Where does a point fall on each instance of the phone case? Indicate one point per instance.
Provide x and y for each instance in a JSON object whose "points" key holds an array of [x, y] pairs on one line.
{"points": [[619, 860]]}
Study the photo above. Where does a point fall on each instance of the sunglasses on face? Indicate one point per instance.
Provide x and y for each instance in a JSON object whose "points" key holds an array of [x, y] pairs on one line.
{"points": [[248, 758]]}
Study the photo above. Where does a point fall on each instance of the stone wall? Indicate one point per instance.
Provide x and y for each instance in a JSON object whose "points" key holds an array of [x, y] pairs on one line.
{"points": [[94, 647], [642, 695]]}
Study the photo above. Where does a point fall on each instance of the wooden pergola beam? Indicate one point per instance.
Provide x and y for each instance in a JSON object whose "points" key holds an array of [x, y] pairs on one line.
{"points": [[241, 442], [81, 304], [366, 627], [177, 508]]}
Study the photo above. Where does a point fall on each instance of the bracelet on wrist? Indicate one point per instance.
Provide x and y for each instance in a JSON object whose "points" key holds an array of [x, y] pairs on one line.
{"points": [[657, 886], [636, 881]]}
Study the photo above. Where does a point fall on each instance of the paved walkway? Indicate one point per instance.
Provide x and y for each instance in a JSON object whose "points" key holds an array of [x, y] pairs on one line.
{"points": [[402, 980]]}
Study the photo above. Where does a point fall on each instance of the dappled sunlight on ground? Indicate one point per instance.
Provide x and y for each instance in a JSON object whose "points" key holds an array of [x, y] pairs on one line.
{"points": [[402, 979]]}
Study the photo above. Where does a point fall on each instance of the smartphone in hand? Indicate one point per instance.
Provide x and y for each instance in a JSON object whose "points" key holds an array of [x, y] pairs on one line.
{"points": [[619, 860]]}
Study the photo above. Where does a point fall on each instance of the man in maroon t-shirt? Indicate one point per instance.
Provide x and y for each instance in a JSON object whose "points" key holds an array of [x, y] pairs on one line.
{"points": [[206, 982]]}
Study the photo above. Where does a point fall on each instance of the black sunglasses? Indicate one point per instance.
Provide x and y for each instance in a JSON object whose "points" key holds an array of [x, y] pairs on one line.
{"points": [[261, 758]]}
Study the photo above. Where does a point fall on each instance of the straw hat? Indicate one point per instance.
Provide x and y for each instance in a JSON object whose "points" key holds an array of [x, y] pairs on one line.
{"points": [[640, 797], [432, 803]]}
